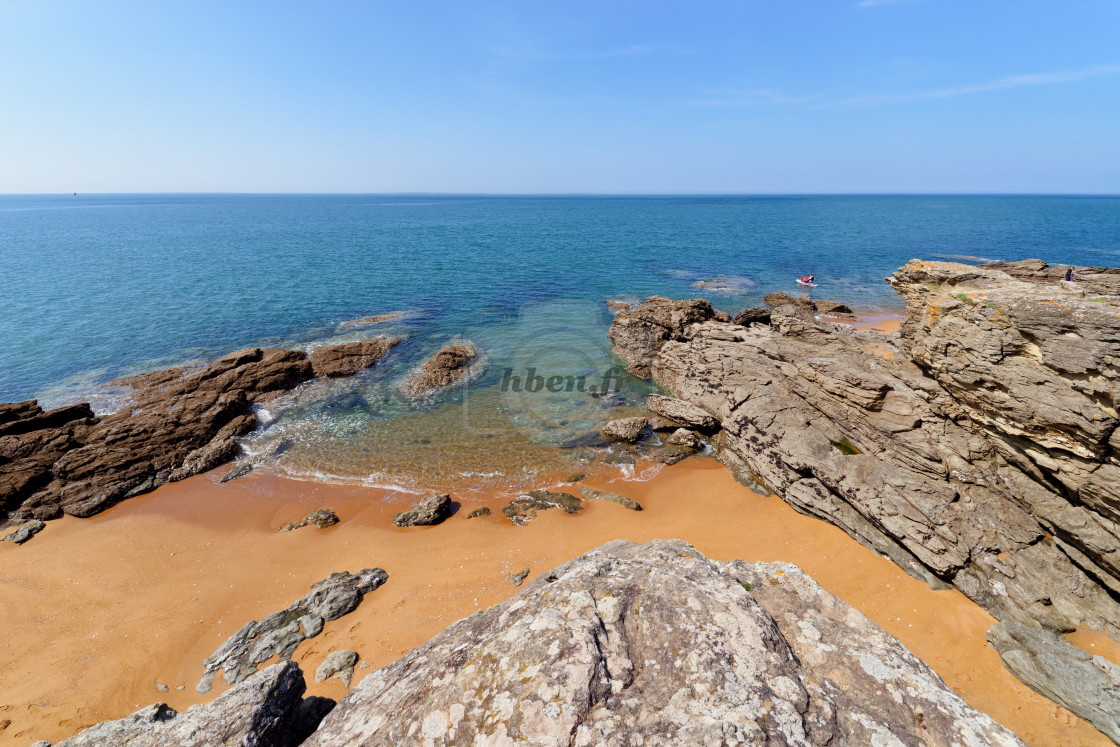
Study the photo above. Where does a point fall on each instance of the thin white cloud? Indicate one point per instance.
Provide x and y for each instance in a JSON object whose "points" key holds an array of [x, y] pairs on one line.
{"points": [[1011, 81]]}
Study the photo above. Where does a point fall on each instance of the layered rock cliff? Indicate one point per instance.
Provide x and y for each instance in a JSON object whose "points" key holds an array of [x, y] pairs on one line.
{"points": [[977, 448]]}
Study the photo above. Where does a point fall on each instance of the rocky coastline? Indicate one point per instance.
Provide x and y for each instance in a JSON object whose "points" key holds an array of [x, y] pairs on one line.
{"points": [[976, 448]]}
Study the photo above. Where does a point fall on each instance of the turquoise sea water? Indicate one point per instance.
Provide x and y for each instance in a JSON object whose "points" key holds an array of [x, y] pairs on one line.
{"points": [[94, 287]]}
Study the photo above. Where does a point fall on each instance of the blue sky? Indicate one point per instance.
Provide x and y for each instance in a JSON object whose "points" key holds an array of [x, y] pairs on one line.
{"points": [[754, 96]]}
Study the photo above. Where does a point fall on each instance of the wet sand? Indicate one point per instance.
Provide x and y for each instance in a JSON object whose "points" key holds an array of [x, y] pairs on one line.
{"points": [[97, 611]]}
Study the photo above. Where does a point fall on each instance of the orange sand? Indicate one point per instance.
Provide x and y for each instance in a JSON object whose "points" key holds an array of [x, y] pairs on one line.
{"points": [[96, 611]]}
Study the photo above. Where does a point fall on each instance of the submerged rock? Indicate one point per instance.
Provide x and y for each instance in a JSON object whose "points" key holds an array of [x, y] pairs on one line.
{"points": [[322, 518], [523, 509], [369, 321], [281, 632], [625, 429], [431, 509], [656, 644], [344, 360]]}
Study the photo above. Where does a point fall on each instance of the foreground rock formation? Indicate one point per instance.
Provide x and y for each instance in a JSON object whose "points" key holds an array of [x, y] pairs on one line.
{"points": [[180, 423], [268, 710], [655, 644], [981, 452], [280, 633]]}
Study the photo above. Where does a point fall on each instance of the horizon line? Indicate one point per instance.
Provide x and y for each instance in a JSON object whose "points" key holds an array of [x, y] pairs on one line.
{"points": [[570, 194]]}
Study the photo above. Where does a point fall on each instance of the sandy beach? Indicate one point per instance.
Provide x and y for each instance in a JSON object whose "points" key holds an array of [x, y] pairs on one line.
{"points": [[99, 611]]}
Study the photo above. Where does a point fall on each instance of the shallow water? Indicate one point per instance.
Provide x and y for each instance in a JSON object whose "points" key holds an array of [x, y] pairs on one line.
{"points": [[95, 287]]}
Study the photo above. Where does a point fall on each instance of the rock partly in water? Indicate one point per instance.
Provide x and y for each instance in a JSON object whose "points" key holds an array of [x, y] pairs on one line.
{"points": [[637, 335], [454, 363], [281, 632], [25, 532], [347, 359], [982, 454], [603, 495], [656, 644], [431, 509], [832, 308], [321, 517], [523, 509], [779, 298], [267, 710], [338, 664], [625, 429], [685, 437]]}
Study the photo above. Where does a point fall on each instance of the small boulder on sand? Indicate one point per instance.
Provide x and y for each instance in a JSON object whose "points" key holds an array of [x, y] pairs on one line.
{"points": [[320, 517], [338, 664], [432, 509]]}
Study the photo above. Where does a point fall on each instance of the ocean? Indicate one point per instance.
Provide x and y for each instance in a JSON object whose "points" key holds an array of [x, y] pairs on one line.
{"points": [[93, 287]]}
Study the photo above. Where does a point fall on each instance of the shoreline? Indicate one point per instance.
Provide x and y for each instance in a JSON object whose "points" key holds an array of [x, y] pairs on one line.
{"points": [[142, 593]]}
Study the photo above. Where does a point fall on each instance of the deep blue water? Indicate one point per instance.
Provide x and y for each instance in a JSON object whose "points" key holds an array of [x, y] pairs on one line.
{"points": [[93, 287]]}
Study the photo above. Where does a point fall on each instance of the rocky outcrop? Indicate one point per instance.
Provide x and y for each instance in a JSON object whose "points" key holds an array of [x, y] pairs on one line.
{"points": [[682, 412], [334, 361], [982, 454], [279, 633], [451, 365], [778, 298], [753, 315], [638, 334], [656, 644], [267, 710], [523, 509], [320, 517], [431, 509], [180, 423], [625, 429]]}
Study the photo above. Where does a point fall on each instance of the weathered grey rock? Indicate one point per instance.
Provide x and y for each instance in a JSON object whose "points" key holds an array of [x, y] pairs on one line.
{"points": [[1087, 685], [333, 361], [320, 517], [685, 437], [338, 664], [523, 509], [259, 712], [682, 412], [25, 532], [603, 495], [778, 298], [431, 509], [625, 429], [519, 577], [452, 364], [279, 633], [753, 315], [637, 335], [654, 644], [982, 454]]}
